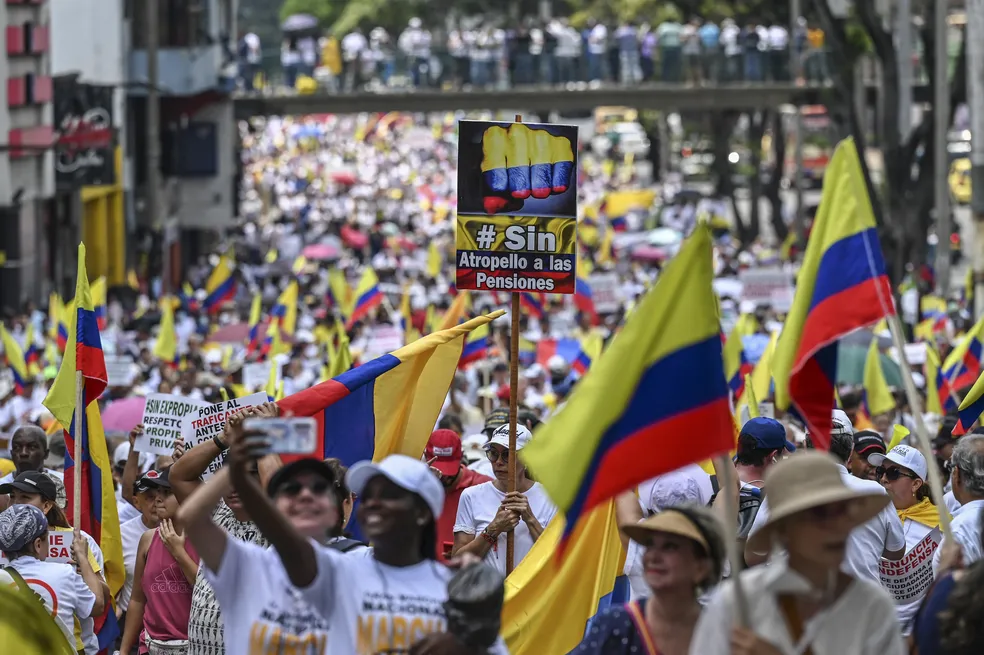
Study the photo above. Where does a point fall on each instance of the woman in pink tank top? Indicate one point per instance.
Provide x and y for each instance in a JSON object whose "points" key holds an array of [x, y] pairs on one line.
{"points": [[163, 580]]}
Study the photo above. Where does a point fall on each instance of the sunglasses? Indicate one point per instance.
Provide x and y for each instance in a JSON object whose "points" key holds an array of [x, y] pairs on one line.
{"points": [[294, 488], [892, 474], [495, 455]]}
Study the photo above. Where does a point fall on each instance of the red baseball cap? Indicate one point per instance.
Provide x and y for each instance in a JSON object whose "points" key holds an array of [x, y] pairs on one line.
{"points": [[445, 446]]}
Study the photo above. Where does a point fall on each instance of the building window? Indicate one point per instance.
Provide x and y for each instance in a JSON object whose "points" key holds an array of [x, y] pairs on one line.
{"points": [[180, 23]]}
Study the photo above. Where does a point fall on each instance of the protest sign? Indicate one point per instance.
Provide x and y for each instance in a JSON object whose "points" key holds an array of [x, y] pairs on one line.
{"points": [[162, 418], [768, 285], [605, 292], [908, 578], [60, 546], [256, 374], [208, 421], [517, 207], [120, 370]]}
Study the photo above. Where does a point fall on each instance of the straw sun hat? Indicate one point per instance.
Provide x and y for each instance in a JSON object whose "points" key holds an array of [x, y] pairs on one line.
{"points": [[804, 481]]}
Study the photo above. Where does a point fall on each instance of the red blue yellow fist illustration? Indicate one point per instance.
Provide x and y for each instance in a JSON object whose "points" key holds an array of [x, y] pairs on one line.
{"points": [[519, 162]]}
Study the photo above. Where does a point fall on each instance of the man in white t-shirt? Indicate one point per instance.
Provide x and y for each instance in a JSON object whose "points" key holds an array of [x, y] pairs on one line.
{"points": [[65, 593], [880, 537], [487, 512], [145, 499], [967, 477]]}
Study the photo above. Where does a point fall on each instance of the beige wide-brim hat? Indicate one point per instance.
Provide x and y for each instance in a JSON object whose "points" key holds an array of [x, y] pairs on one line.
{"points": [[807, 480]]}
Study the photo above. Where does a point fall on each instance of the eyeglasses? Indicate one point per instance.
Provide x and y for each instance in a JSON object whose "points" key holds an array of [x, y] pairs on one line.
{"points": [[294, 488], [495, 455], [892, 474]]}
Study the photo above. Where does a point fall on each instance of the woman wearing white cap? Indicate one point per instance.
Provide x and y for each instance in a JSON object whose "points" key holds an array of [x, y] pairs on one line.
{"points": [[902, 471], [804, 603], [391, 602], [487, 512]]}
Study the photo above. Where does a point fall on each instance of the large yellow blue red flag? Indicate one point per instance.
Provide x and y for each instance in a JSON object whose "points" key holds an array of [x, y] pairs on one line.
{"points": [[97, 500], [15, 359], [387, 405], [550, 601], [220, 287], [662, 373], [842, 286], [367, 296]]}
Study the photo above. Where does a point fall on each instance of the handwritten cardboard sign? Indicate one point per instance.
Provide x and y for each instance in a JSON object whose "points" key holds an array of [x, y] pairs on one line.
{"points": [[208, 421], [162, 419]]}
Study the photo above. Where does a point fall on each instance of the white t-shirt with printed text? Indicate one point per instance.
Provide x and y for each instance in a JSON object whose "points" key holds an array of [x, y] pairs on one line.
{"points": [[61, 588], [373, 608], [478, 506], [262, 611]]}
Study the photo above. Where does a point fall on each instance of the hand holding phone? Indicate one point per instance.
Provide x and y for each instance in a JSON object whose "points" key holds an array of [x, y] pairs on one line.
{"points": [[283, 436]]}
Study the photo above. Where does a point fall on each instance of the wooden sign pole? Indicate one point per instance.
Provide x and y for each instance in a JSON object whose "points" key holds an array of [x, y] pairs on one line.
{"points": [[513, 411]]}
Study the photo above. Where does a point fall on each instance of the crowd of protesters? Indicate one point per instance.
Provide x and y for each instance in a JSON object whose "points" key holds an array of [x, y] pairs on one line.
{"points": [[262, 557]]}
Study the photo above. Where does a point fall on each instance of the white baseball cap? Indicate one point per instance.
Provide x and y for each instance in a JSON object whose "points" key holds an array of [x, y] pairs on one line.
{"points": [[405, 472], [902, 455], [501, 437]]}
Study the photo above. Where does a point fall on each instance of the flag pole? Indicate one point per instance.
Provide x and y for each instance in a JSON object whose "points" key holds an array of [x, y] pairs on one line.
{"points": [[922, 438], [77, 474], [727, 481], [513, 412]]}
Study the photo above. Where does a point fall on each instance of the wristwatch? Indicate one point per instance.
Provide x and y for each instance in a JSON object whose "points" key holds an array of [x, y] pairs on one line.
{"points": [[218, 442]]}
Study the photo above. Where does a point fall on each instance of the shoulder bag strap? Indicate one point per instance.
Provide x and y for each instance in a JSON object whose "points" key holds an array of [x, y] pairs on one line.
{"points": [[635, 613], [787, 603], [18, 579]]}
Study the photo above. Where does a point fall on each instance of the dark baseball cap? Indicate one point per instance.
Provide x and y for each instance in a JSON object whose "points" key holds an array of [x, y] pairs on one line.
{"points": [[868, 442], [444, 447], [285, 473], [32, 482], [152, 479], [768, 433], [495, 418]]}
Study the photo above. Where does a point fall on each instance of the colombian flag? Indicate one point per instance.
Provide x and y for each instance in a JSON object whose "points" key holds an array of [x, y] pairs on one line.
{"points": [[550, 601], [284, 311], [220, 286], [527, 351], [970, 409], [388, 405], [476, 346], [32, 354], [15, 359], [533, 303], [367, 297], [99, 302], [166, 346], [569, 349], [591, 347], [940, 398], [84, 355], [583, 300], [842, 286], [255, 314], [187, 297], [64, 319], [963, 364], [736, 364], [623, 421]]}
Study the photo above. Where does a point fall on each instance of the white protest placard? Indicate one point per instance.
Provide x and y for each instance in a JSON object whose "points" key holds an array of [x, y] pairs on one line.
{"points": [[605, 292], [915, 353], [162, 418], [383, 339], [766, 410], [256, 374], [769, 285], [120, 370], [208, 421], [908, 578], [60, 546]]}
